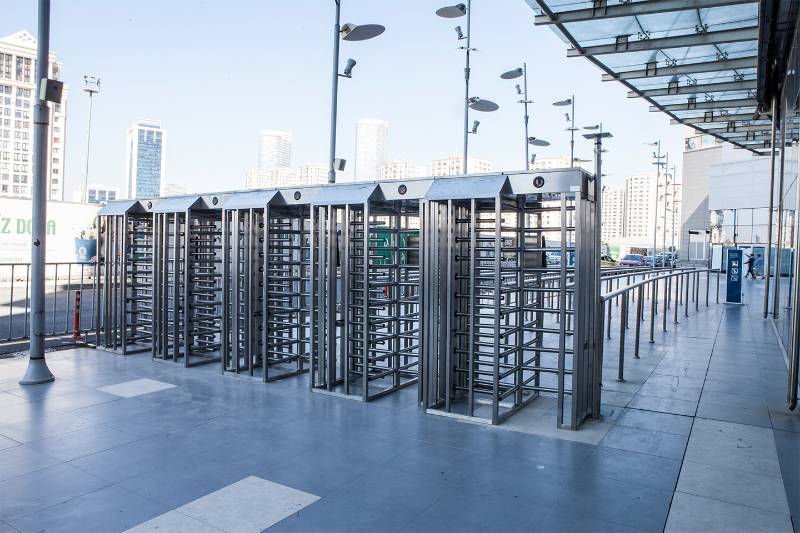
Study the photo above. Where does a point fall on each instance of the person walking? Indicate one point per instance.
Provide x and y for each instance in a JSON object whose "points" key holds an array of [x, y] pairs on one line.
{"points": [[750, 262]]}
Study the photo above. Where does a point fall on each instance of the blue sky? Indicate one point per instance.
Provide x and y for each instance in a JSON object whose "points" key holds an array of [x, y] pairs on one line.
{"points": [[215, 73]]}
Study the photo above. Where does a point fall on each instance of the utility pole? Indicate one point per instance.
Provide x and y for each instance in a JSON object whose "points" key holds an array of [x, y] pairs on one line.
{"points": [[37, 371]]}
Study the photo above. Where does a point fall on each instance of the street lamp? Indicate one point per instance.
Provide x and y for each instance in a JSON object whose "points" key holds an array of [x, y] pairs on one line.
{"points": [[570, 118], [91, 87], [513, 74], [478, 104], [535, 141], [348, 32], [658, 157]]}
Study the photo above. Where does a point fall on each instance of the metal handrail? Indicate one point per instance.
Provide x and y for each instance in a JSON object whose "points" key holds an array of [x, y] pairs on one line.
{"points": [[683, 278]]}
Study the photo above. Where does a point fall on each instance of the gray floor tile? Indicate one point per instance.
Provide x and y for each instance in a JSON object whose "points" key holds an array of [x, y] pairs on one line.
{"points": [[42, 425], [646, 441], [174, 522], [631, 467], [753, 416], [103, 511], [663, 405], [21, 460], [82, 442], [266, 503], [561, 520], [696, 513], [665, 422], [733, 486], [44, 488], [615, 501], [5, 442], [735, 446]]}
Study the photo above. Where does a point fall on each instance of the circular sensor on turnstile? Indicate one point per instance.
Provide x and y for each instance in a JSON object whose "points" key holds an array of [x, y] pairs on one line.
{"points": [[149, 205], [215, 200], [402, 189], [538, 182], [297, 195]]}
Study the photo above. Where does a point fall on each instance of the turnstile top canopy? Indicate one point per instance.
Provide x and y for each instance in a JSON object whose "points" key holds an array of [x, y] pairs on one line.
{"points": [[548, 181], [413, 189], [250, 199], [296, 196], [467, 187], [121, 207], [352, 193], [178, 204]]}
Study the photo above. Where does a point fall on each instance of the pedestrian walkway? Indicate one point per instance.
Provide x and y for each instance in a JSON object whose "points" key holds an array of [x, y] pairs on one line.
{"points": [[697, 439]]}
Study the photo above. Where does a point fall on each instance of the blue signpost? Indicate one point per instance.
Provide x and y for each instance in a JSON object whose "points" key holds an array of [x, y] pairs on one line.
{"points": [[734, 277]]}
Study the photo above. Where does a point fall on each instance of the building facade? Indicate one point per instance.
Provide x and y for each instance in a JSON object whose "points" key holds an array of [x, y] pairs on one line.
{"points": [[699, 153], [17, 98], [401, 169], [100, 194], [613, 213], [372, 148], [274, 149], [146, 155], [173, 189], [454, 166]]}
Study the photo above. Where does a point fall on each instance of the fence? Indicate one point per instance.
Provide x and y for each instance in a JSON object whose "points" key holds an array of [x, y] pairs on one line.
{"points": [[69, 287]]}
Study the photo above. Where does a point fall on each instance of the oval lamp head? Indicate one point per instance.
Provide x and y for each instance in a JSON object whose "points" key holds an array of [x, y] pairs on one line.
{"points": [[452, 12], [560, 103], [511, 74], [537, 142], [362, 32], [479, 104]]}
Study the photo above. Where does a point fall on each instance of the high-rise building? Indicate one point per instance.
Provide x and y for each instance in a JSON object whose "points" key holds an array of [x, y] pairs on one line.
{"points": [[613, 213], [640, 207], [147, 151], [401, 169], [372, 147], [274, 149], [454, 166], [173, 189], [560, 161], [313, 174], [17, 98]]}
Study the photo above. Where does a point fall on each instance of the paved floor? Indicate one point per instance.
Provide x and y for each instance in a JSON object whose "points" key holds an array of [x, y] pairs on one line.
{"points": [[698, 439]]}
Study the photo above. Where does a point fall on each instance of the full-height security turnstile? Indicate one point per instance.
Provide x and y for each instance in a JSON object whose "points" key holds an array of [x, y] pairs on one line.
{"points": [[365, 289], [187, 279], [265, 283], [123, 299], [499, 309]]}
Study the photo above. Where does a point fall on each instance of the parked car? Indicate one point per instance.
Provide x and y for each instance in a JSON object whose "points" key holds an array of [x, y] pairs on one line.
{"points": [[648, 261], [665, 259], [632, 260], [607, 260]]}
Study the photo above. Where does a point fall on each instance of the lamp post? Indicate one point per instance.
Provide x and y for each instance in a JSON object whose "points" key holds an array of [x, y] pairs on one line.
{"points": [[658, 157], [348, 32], [478, 104], [523, 91], [597, 333], [666, 189], [37, 371], [572, 129], [91, 87]]}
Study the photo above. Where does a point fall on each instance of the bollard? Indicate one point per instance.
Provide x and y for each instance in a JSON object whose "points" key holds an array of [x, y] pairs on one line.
{"points": [[697, 291], [621, 366], [76, 319], [654, 289], [677, 294], [686, 300], [638, 319]]}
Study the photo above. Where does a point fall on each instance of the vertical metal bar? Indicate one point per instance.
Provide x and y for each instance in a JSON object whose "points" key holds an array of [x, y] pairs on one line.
{"points": [[638, 319], [779, 238], [562, 314], [767, 260], [365, 281], [473, 258], [654, 288], [188, 315], [621, 363], [686, 301], [708, 284], [11, 307], [497, 310], [347, 300]]}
